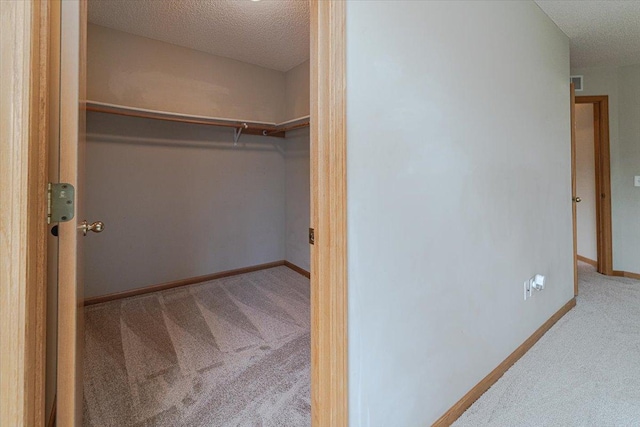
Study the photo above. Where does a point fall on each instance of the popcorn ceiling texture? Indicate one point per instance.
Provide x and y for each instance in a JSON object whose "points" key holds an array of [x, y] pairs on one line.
{"points": [[601, 32], [272, 34]]}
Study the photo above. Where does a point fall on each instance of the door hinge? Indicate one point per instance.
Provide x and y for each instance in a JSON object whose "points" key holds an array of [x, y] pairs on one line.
{"points": [[312, 236], [60, 202]]}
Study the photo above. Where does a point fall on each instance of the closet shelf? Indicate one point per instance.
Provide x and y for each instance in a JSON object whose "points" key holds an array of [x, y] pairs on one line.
{"points": [[241, 126]]}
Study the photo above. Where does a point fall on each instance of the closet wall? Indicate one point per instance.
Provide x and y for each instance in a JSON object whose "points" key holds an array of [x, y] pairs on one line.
{"points": [[181, 200], [297, 167], [136, 71], [297, 102], [298, 174]]}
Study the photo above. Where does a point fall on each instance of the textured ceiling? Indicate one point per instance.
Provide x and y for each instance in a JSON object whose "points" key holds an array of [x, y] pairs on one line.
{"points": [[601, 32], [270, 33]]}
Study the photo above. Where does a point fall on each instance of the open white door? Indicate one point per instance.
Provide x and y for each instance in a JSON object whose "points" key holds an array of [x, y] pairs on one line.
{"points": [[574, 197], [70, 284]]}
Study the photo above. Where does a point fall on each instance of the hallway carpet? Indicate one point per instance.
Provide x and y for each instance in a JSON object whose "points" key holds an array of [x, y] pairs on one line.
{"points": [[584, 372], [230, 352]]}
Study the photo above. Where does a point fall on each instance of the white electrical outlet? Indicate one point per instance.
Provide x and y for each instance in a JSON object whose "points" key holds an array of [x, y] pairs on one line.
{"points": [[537, 282], [636, 181]]}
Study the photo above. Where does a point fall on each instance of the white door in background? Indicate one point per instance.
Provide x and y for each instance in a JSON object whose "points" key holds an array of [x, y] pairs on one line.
{"points": [[586, 182]]}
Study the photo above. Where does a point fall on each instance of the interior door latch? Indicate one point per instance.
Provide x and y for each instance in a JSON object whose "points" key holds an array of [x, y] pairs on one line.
{"points": [[312, 236], [60, 202]]}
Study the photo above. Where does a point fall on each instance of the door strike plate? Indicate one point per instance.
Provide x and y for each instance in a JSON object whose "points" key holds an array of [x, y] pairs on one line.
{"points": [[312, 236], [60, 206]]}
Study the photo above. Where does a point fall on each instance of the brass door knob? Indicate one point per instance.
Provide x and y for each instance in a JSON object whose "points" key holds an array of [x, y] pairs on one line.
{"points": [[577, 199], [96, 227]]}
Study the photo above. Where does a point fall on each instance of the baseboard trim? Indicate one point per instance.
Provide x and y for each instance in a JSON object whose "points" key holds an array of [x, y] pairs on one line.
{"points": [[182, 282], [588, 260], [463, 404], [626, 274], [52, 415], [297, 269]]}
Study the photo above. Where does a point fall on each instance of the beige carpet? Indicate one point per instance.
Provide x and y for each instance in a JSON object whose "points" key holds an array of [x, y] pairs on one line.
{"points": [[230, 352], [584, 372]]}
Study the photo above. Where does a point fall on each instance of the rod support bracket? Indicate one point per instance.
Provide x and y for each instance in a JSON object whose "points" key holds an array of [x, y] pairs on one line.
{"points": [[237, 132]]}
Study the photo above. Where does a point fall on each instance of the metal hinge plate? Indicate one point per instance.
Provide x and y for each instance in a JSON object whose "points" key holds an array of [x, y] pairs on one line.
{"points": [[60, 202], [312, 236]]}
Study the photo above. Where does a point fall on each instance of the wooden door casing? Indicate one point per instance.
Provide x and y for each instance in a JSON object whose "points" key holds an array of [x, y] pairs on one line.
{"points": [[70, 283]]}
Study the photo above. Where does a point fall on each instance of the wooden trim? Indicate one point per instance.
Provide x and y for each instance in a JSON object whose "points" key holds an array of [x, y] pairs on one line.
{"points": [[181, 282], [70, 328], [596, 159], [588, 260], [253, 128], [329, 370], [574, 209], [38, 179], [52, 252], [626, 274], [52, 415], [23, 169], [15, 40], [297, 269], [463, 404], [603, 180]]}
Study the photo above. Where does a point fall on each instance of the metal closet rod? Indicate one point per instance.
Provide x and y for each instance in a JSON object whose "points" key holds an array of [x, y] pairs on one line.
{"points": [[240, 126]]}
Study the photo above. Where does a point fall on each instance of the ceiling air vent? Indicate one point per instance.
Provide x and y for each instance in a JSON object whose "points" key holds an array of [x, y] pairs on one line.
{"points": [[577, 83]]}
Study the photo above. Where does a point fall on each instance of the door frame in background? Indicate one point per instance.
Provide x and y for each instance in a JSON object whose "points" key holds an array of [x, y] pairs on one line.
{"points": [[604, 240], [23, 220]]}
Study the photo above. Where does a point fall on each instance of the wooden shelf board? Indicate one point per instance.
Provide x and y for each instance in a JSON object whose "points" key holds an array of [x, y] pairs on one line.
{"points": [[253, 127]]}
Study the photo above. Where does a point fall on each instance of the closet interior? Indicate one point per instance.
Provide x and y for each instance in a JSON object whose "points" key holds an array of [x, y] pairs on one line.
{"points": [[197, 163]]}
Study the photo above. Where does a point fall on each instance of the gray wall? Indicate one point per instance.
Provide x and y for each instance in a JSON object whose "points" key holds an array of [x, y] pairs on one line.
{"points": [[586, 182], [178, 201], [297, 93], [628, 204], [130, 70], [622, 85], [298, 174], [181, 200], [459, 190]]}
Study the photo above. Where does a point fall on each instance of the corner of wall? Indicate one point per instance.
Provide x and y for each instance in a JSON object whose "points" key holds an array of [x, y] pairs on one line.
{"points": [[297, 92]]}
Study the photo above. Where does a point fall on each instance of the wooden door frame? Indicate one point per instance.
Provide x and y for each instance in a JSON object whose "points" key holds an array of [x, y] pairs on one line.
{"points": [[72, 100], [23, 226], [23, 173], [329, 368], [603, 180]]}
